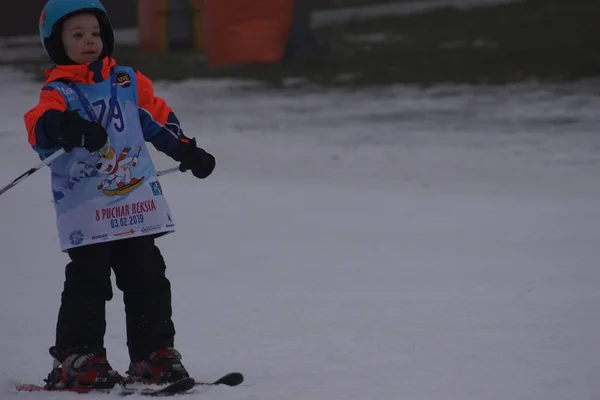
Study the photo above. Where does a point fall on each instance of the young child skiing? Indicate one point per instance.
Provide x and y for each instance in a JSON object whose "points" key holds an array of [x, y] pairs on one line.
{"points": [[109, 204]]}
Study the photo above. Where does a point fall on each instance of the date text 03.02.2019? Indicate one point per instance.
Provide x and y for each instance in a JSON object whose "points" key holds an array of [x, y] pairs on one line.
{"points": [[127, 221]]}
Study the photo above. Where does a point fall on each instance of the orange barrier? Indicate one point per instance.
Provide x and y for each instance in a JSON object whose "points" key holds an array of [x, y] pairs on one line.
{"points": [[152, 25], [246, 31]]}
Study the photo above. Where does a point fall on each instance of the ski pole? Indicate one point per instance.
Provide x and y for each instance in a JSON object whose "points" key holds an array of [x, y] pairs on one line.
{"points": [[31, 171], [167, 171]]}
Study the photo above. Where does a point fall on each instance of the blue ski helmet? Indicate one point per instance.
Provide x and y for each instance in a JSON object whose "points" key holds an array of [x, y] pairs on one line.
{"points": [[53, 15]]}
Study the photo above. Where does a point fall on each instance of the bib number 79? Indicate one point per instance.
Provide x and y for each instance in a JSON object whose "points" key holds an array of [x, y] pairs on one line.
{"points": [[100, 109]]}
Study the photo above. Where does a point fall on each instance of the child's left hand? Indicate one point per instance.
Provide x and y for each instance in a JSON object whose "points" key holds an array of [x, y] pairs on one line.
{"points": [[198, 160]]}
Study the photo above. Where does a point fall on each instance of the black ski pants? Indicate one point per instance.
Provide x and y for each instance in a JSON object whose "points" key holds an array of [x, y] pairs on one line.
{"points": [[140, 274]]}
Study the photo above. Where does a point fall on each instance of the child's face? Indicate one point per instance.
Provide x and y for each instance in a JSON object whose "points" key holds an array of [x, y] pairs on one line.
{"points": [[81, 38]]}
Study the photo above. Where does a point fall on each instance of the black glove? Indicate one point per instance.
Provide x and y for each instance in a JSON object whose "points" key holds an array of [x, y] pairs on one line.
{"points": [[199, 161], [70, 130]]}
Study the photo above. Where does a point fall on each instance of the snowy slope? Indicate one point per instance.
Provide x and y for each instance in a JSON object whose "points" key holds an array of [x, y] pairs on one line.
{"points": [[337, 16], [381, 244]]}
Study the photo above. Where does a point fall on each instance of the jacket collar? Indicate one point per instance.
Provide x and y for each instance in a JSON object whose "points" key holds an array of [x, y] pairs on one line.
{"points": [[92, 72]]}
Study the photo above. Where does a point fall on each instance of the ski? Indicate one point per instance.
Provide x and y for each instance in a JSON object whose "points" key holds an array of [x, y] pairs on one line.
{"points": [[230, 379], [27, 387], [184, 385], [179, 387]]}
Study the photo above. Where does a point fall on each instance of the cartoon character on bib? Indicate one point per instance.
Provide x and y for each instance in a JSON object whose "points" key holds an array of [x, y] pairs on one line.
{"points": [[118, 180]]}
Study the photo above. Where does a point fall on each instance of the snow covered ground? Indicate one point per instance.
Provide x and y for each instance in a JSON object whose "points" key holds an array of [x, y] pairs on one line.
{"points": [[438, 244], [336, 16]]}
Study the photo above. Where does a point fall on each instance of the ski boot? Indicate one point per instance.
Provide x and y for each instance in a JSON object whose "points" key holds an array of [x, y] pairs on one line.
{"points": [[162, 366], [81, 370]]}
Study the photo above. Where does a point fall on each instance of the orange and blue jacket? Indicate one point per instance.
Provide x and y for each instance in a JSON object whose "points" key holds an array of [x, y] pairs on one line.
{"points": [[159, 124]]}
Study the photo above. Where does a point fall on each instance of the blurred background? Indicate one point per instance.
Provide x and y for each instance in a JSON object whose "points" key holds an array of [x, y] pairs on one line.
{"points": [[340, 42], [405, 204]]}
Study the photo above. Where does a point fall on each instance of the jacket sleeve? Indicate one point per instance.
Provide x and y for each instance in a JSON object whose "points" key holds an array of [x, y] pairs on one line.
{"points": [[159, 124], [38, 121]]}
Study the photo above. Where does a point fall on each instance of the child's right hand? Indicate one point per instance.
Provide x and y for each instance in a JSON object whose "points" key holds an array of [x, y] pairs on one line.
{"points": [[70, 130]]}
